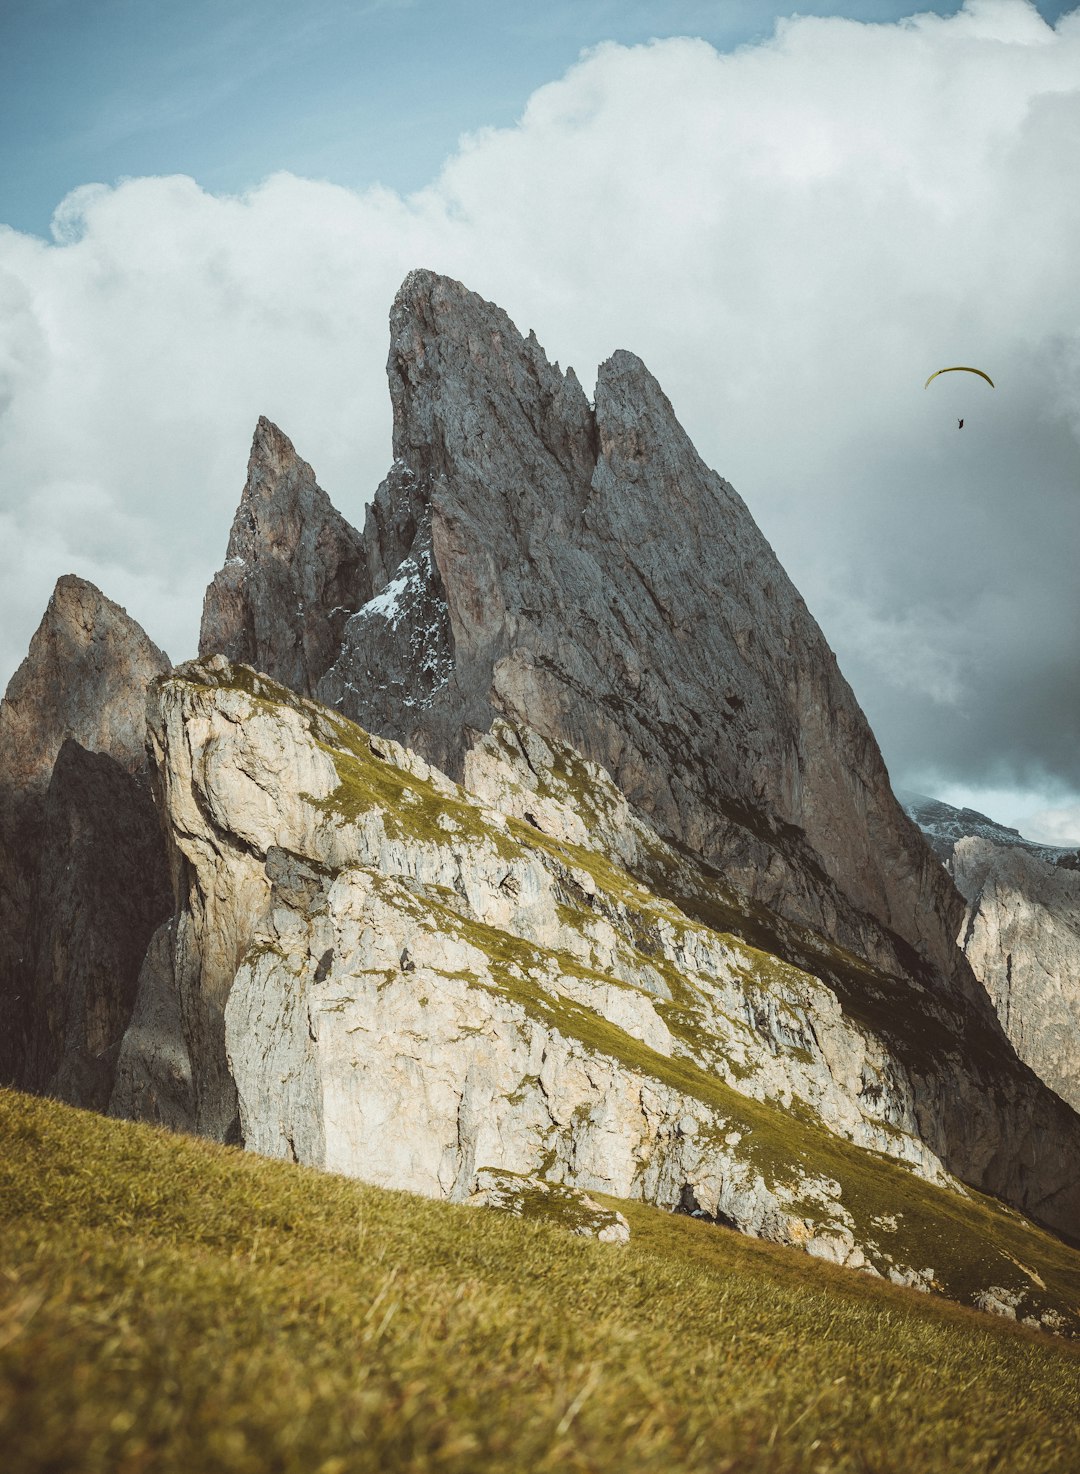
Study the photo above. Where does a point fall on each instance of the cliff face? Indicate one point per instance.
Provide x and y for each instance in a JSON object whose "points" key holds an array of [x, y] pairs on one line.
{"points": [[373, 970], [580, 569], [1021, 934], [82, 879], [294, 571]]}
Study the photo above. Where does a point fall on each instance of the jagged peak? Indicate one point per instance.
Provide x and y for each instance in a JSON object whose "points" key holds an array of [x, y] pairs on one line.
{"points": [[75, 598], [446, 315], [272, 454], [78, 608], [84, 676]]}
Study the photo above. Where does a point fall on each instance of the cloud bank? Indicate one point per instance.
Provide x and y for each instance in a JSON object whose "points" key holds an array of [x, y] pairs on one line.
{"points": [[792, 236]]}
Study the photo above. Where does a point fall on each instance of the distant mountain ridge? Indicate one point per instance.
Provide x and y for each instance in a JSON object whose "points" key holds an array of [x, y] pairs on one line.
{"points": [[943, 825]]}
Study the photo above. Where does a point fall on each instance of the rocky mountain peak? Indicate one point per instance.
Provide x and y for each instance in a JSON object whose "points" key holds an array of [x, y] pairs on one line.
{"points": [[463, 380], [580, 568], [81, 691], [271, 453], [294, 570], [84, 677]]}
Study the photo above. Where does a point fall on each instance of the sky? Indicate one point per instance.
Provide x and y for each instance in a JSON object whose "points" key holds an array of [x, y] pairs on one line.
{"points": [[793, 219]]}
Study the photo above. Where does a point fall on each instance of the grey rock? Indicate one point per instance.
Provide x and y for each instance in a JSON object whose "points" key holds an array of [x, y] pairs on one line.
{"points": [[294, 571], [102, 890], [580, 570], [84, 678], [154, 1076], [1021, 933], [533, 1197], [577, 570], [376, 972]]}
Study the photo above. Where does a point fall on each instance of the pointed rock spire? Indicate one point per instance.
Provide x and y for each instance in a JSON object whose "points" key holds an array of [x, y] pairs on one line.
{"points": [[294, 571]]}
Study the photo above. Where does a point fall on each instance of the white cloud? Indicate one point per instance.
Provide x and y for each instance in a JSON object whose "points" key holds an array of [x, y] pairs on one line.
{"points": [[1055, 826], [792, 236]]}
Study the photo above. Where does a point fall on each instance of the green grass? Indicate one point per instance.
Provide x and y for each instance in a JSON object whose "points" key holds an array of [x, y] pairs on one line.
{"points": [[171, 1305]]}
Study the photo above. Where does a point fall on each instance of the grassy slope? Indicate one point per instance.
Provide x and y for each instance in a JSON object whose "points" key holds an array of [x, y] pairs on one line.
{"points": [[168, 1304]]}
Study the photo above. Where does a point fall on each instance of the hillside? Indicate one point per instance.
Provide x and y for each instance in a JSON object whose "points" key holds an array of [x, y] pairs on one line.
{"points": [[372, 970], [170, 1304], [526, 847]]}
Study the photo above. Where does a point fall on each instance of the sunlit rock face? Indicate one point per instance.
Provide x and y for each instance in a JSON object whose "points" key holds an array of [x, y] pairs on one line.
{"points": [[294, 571], [1021, 933], [373, 970], [82, 860]]}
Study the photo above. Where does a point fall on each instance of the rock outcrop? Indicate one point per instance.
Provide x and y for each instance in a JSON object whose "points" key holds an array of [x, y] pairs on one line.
{"points": [[374, 971], [576, 567], [294, 571], [1021, 934], [80, 887]]}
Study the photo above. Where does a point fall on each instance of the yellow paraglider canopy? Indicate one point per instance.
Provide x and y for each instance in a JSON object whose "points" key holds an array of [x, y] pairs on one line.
{"points": [[959, 369]]}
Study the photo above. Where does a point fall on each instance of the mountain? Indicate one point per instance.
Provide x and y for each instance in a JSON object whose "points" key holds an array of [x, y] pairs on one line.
{"points": [[530, 842], [1021, 935], [1020, 932], [83, 878], [943, 825], [576, 567], [573, 569]]}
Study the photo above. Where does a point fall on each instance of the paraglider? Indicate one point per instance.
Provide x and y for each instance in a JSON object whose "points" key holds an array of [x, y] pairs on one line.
{"points": [[959, 368]]}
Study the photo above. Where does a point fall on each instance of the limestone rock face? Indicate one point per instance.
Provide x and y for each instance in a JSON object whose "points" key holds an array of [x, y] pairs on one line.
{"points": [[85, 679], [294, 571], [374, 971], [578, 569], [1021, 934]]}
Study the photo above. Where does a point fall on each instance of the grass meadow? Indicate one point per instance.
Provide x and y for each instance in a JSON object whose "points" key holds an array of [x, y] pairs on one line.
{"points": [[168, 1304]]}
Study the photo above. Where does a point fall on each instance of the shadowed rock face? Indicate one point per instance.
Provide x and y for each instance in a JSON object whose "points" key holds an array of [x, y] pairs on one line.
{"points": [[102, 889], [85, 678], [579, 568], [294, 571]]}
